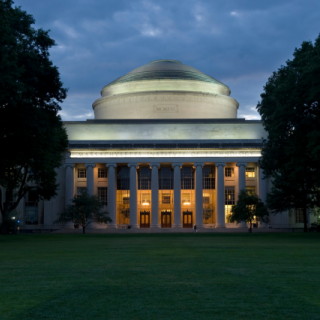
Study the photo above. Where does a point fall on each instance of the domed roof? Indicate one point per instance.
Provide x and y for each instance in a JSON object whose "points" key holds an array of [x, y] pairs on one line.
{"points": [[166, 70]]}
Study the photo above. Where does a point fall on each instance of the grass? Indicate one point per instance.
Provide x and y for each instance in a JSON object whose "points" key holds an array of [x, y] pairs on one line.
{"points": [[160, 276]]}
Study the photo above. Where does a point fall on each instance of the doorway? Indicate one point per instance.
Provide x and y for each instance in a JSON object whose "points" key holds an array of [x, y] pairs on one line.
{"points": [[144, 219], [187, 219], [166, 219]]}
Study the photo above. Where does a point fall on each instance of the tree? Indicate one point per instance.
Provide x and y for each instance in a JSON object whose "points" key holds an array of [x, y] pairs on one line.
{"points": [[32, 136], [291, 115], [84, 209], [249, 208]]}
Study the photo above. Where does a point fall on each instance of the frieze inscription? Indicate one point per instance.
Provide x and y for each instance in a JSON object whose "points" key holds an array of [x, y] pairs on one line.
{"points": [[165, 108]]}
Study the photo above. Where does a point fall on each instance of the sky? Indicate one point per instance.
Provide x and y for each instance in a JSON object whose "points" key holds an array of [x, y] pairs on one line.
{"points": [[238, 42]]}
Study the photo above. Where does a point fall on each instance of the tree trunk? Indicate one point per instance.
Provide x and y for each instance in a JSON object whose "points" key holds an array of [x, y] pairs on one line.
{"points": [[83, 230], [305, 220], [250, 227]]}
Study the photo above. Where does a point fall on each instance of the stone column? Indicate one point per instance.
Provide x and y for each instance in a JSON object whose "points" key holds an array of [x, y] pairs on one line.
{"points": [[112, 193], [242, 185], [155, 194], [133, 195], [177, 194], [199, 194], [221, 220], [262, 192], [69, 189], [69, 183], [90, 178]]}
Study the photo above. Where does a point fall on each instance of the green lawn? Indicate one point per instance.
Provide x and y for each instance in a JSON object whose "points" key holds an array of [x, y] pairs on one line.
{"points": [[160, 276]]}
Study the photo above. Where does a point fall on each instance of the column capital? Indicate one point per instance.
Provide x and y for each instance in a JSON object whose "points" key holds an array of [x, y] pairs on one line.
{"points": [[218, 164], [177, 164], [69, 165], [93, 165], [240, 164], [133, 164], [198, 164], [154, 164], [108, 165]]}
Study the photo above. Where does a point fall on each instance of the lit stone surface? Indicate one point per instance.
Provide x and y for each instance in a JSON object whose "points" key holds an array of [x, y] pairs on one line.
{"points": [[165, 89], [145, 131]]}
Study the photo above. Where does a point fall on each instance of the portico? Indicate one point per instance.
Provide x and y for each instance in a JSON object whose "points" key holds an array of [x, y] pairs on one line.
{"points": [[169, 191]]}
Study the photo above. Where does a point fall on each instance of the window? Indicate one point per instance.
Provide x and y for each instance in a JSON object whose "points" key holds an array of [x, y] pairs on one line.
{"points": [[187, 178], [229, 201], [229, 172], [126, 200], [102, 173], [208, 181], [80, 190], [166, 198], [31, 208], [299, 216], [206, 200], [250, 172], [8, 194], [144, 178], [123, 178], [103, 195], [165, 178], [251, 190], [186, 199], [82, 173], [146, 199]]}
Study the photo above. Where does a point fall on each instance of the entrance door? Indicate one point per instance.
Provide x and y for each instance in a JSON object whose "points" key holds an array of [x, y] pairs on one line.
{"points": [[165, 219], [187, 219], [144, 219]]}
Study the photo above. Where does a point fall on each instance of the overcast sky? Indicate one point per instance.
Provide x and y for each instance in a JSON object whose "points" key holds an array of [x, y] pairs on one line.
{"points": [[238, 42]]}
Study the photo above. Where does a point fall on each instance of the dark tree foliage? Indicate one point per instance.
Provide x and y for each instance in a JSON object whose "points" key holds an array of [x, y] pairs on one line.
{"points": [[32, 136], [84, 210], [249, 208], [290, 113]]}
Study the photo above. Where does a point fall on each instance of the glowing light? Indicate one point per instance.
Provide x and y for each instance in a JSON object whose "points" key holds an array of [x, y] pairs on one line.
{"points": [[186, 203], [163, 153]]}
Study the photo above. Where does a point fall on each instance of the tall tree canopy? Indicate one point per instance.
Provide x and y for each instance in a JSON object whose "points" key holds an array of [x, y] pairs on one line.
{"points": [[290, 113], [32, 136]]}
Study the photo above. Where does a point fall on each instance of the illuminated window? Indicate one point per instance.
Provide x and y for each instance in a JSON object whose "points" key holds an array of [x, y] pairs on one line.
{"points": [[126, 200], [102, 173], [206, 200], [229, 201], [166, 198], [186, 199], [208, 181], [229, 172], [250, 172], [251, 190], [146, 199], [103, 195], [82, 173]]}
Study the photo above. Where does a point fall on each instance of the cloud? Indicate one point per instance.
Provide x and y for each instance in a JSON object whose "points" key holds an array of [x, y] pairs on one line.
{"points": [[237, 42]]}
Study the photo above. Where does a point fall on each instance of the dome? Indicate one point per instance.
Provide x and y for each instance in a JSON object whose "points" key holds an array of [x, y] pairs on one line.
{"points": [[166, 69], [165, 89]]}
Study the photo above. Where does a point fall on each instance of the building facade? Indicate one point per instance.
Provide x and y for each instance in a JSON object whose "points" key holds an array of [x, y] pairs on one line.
{"points": [[164, 150]]}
